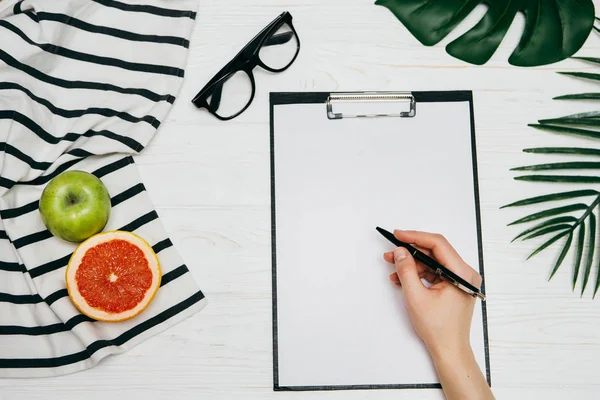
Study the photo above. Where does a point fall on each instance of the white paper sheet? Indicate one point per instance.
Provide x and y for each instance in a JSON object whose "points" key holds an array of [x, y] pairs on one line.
{"points": [[340, 321]]}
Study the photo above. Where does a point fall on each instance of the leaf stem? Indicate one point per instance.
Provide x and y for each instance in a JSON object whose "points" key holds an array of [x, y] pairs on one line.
{"points": [[587, 212]]}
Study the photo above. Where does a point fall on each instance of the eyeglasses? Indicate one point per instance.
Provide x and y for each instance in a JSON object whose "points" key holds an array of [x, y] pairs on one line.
{"points": [[230, 92]]}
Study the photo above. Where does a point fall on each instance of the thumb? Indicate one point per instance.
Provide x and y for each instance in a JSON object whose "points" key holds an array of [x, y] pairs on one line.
{"points": [[406, 268]]}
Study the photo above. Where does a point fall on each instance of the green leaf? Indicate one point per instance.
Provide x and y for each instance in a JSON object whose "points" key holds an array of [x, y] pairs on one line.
{"points": [[572, 121], [553, 197], [597, 285], [560, 166], [549, 242], [584, 75], [582, 124], [589, 114], [567, 131], [564, 150], [548, 230], [554, 29], [590, 254], [545, 224], [549, 213], [579, 254], [590, 59], [562, 255], [559, 178], [579, 96]]}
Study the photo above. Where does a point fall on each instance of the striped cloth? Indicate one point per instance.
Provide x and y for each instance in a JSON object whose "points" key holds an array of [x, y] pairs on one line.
{"points": [[84, 84]]}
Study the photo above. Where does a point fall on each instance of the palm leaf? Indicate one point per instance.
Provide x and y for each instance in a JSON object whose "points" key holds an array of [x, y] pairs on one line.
{"points": [[553, 197], [584, 75], [590, 59], [597, 285], [579, 96], [587, 114], [562, 255], [567, 131], [545, 224], [558, 221], [560, 166], [549, 242], [548, 230], [549, 213], [579, 254], [590, 255], [559, 178], [564, 150], [572, 121]]}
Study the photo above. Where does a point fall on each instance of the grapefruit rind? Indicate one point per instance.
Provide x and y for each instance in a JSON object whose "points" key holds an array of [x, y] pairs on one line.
{"points": [[101, 315]]}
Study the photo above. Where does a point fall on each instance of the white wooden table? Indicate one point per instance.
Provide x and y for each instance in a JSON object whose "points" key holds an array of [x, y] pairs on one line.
{"points": [[210, 183]]}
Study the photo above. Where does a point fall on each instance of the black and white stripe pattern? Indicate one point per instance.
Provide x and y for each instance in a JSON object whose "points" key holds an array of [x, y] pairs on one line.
{"points": [[83, 85]]}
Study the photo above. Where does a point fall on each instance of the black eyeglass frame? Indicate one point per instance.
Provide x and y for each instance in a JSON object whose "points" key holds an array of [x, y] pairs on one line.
{"points": [[246, 60]]}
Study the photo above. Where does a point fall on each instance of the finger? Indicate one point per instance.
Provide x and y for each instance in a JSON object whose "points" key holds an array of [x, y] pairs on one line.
{"points": [[431, 276], [441, 250], [423, 250], [389, 257], [420, 266], [428, 276], [426, 273], [436, 243], [423, 270], [406, 268]]}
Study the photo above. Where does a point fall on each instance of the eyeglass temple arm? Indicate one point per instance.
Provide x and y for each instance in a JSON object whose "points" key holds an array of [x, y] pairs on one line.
{"points": [[278, 39]]}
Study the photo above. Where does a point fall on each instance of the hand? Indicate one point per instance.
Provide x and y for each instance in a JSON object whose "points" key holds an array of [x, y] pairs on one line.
{"points": [[441, 313]]}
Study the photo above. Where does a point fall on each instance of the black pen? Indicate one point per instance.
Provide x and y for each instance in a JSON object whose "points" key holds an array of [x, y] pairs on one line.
{"points": [[438, 268]]}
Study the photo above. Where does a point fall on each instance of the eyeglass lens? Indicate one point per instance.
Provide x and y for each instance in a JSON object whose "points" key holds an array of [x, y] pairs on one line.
{"points": [[279, 49], [231, 95]]}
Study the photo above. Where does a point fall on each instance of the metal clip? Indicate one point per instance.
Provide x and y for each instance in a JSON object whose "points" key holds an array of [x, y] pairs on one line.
{"points": [[370, 104]]}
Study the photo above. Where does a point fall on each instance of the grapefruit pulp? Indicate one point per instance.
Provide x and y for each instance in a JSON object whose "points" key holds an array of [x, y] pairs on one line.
{"points": [[113, 276]]}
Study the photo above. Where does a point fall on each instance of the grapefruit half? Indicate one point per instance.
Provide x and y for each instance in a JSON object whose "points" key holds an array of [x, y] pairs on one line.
{"points": [[113, 276]]}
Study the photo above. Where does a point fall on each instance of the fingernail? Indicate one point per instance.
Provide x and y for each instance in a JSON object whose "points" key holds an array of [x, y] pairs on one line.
{"points": [[400, 254]]}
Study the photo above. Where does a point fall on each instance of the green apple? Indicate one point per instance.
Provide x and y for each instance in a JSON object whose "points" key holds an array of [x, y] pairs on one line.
{"points": [[75, 205]]}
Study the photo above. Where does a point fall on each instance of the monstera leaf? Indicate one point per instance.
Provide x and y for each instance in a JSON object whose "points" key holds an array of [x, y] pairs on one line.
{"points": [[554, 29]]}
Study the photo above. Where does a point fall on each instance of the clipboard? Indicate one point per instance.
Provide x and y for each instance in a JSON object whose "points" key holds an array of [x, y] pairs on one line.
{"points": [[342, 164]]}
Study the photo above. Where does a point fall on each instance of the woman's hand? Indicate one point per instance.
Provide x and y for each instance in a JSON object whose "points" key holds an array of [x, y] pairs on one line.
{"points": [[441, 313]]}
